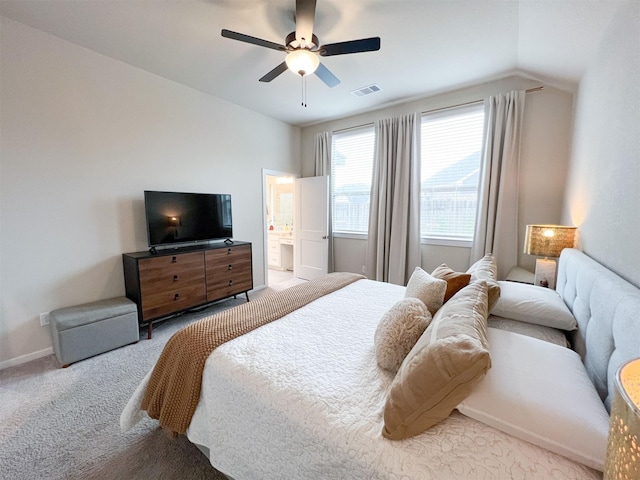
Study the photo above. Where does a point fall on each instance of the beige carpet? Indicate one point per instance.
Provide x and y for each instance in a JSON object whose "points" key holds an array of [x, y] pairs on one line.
{"points": [[64, 423]]}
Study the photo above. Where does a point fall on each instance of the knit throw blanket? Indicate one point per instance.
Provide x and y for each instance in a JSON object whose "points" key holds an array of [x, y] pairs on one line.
{"points": [[174, 388]]}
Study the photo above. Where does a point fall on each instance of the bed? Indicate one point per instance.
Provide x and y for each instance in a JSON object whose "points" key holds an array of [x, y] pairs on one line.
{"points": [[303, 396]]}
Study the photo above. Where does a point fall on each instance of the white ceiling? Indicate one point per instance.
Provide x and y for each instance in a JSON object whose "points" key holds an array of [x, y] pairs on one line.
{"points": [[427, 46]]}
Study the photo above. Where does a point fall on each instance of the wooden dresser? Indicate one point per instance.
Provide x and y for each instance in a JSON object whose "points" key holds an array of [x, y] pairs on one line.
{"points": [[174, 280]]}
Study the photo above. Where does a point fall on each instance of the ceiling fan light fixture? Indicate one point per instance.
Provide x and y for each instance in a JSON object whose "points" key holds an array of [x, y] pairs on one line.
{"points": [[303, 50], [302, 62]]}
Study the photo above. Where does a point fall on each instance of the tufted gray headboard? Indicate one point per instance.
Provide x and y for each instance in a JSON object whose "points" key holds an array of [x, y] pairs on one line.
{"points": [[607, 309]]}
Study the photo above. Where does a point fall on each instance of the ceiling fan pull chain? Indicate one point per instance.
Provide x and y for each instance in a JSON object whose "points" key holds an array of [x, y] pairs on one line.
{"points": [[304, 91]]}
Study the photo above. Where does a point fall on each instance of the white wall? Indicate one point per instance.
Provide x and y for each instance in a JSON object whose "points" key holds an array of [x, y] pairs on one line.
{"points": [[544, 158], [603, 196], [82, 136], [544, 154]]}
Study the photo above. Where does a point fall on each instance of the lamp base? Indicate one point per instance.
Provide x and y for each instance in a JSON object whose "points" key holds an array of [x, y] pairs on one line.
{"points": [[623, 450], [545, 273]]}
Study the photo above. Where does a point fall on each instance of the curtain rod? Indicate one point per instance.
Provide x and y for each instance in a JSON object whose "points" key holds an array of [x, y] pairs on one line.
{"points": [[529, 90], [341, 130]]}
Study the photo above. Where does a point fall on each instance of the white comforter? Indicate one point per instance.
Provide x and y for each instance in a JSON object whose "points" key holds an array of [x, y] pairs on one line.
{"points": [[303, 397]]}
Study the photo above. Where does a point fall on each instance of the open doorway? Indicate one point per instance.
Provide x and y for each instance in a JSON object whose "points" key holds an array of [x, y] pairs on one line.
{"points": [[279, 237]]}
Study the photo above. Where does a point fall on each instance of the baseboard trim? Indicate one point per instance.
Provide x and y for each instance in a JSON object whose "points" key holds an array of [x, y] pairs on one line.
{"points": [[12, 362], [25, 358]]}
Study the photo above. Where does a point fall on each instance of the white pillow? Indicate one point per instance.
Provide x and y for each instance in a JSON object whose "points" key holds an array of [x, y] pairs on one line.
{"points": [[540, 392], [532, 304], [540, 332], [429, 289]]}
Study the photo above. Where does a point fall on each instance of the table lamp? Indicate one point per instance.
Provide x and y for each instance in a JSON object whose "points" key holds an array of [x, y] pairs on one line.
{"points": [[547, 241], [623, 449]]}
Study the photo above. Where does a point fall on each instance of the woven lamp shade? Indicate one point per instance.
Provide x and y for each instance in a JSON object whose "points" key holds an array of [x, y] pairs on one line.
{"points": [[548, 240], [623, 450]]}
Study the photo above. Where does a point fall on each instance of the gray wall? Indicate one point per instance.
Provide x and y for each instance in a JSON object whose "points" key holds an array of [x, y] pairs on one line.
{"points": [[82, 136], [544, 158], [602, 196]]}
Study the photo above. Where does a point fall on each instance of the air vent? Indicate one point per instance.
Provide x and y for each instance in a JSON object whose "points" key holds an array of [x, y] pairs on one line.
{"points": [[361, 92]]}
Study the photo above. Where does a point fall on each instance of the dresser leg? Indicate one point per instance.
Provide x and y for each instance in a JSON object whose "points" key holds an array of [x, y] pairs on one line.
{"points": [[247, 295], [149, 328]]}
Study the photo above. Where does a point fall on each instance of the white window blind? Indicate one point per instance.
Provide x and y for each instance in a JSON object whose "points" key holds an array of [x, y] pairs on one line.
{"points": [[351, 172], [450, 172]]}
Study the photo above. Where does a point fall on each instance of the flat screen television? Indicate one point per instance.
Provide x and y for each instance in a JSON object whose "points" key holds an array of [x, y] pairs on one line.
{"points": [[179, 217]]}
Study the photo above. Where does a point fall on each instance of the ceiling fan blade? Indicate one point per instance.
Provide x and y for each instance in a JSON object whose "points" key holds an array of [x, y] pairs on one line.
{"points": [[326, 76], [305, 15], [275, 72], [253, 40], [353, 46]]}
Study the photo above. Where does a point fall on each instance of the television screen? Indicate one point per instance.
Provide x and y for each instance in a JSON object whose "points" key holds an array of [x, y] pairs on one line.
{"points": [[176, 217]]}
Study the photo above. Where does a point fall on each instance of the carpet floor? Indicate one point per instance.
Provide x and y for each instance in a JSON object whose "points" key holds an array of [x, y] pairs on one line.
{"points": [[60, 423]]}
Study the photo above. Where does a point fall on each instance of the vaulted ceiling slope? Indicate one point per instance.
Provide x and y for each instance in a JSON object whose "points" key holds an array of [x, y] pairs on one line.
{"points": [[427, 46]]}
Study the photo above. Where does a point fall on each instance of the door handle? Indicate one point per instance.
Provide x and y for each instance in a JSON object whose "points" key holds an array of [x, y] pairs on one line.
{"points": [[324, 237]]}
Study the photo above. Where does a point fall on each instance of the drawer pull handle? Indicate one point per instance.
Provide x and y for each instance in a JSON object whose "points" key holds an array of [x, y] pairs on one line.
{"points": [[176, 296], [230, 283], [230, 267], [228, 251], [175, 278], [174, 259]]}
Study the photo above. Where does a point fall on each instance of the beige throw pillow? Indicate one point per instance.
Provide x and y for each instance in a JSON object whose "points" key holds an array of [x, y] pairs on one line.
{"points": [[399, 330], [430, 290], [455, 280], [486, 269], [450, 357]]}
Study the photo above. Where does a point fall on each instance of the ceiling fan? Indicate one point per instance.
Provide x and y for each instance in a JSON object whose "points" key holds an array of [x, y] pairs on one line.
{"points": [[303, 49]]}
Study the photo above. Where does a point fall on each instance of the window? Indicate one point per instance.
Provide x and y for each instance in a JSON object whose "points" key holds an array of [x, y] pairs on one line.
{"points": [[450, 172], [351, 172]]}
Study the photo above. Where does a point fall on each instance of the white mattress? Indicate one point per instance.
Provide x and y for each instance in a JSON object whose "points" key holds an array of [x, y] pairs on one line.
{"points": [[290, 400]]}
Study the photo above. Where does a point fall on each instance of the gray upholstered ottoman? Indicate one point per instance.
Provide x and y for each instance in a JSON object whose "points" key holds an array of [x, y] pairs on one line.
{"points": [[86, 330]]}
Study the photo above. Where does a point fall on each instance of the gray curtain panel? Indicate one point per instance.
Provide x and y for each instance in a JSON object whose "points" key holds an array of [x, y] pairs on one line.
{"points": [[497, 218], [393, 248], [322, 153]]}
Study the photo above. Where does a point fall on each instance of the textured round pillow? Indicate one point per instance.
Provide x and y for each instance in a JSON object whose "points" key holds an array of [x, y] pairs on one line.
{"points": [[399, 330]]}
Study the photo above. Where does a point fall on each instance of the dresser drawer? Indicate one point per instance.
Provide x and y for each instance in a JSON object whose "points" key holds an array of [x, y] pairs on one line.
{"points": [[166, 302], [166, 282], [217, 274], [171, 273], [178, 261], [227, 287], [274, 259], [228, 255], [274, 247]]}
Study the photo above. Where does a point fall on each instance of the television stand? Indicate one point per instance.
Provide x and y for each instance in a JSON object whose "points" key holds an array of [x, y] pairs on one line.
{"points": [[168, 282], [228, 241]]}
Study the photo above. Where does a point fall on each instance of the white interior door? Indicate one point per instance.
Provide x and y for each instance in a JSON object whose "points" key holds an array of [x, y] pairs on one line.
{"points": [[311, 221]]}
